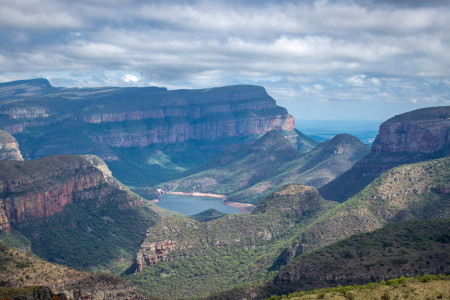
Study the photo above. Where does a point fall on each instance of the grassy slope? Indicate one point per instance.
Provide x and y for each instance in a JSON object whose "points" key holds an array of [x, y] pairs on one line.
{"points": [[415, 191], [398, 249], [230, 251], [418, 287], [251, 173]]}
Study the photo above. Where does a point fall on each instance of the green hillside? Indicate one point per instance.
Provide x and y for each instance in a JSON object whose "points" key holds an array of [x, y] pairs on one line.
{"points": [[227, 252], [250, 173], [418, 287], [415, 191], [399, 249]]}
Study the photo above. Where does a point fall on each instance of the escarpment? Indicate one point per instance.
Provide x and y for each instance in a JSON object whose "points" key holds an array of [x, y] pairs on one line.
{"points": [[140, 132], [35, 189], [414, 136], [138, 117]]}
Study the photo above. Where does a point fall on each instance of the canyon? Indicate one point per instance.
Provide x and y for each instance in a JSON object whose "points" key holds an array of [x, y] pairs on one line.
{"points": [[151, 128]]}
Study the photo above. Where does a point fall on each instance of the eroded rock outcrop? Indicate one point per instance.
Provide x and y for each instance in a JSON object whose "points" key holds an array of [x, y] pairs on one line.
{"points": [[151, 253], [9, 148]]}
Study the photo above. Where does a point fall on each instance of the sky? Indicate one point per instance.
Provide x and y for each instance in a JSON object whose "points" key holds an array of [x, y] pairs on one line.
{"points": [[338, 60]]}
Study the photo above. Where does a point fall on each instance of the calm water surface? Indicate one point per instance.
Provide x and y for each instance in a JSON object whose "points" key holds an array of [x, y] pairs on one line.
{"points": [[191, 205]]}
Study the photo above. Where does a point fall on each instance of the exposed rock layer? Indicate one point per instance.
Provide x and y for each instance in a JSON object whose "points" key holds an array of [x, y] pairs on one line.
{"points": [[415, 136], [138, 117], [41, 188]]}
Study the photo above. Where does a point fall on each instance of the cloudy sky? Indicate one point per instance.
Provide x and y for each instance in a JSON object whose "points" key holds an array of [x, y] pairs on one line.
{"points": [[360, 60]]}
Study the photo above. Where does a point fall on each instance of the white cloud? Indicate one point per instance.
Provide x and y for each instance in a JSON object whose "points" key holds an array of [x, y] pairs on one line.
{"points": [[356, 80], [129, 78]]}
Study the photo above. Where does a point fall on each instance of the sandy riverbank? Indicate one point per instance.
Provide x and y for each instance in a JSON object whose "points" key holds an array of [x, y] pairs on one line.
{"points": [[196, 194], [243, 207]]}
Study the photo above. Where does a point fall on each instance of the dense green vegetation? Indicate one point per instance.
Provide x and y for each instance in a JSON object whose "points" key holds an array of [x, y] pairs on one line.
{"points": [[415, 191], [398, 249], [208, 215], [405, 248], [248, 174], [92, 235]]}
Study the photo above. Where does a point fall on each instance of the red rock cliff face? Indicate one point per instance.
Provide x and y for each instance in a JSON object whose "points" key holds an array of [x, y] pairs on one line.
{"points": [[420, 136], [41, 188], [188, 130]]}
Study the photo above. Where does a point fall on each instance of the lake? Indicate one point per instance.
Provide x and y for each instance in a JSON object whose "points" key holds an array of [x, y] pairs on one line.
{"points": [[191, 205]]}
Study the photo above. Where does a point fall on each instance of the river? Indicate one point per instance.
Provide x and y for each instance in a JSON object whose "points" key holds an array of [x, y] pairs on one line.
{"points": [[191, 205]]}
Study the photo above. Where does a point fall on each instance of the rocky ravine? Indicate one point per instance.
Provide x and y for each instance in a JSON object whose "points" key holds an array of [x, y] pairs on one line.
{"points": [[414, 136], [9, 148]]}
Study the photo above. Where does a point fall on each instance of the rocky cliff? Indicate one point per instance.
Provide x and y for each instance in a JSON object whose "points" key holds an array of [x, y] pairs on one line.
{"points": [[60, 201], [9, 148], [42, 188], [415, 136], [126, 126]]}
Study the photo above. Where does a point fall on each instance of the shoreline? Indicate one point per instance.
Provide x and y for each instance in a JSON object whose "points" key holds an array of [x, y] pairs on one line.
{"points": [[243, 207], [246, 208], [196, 194]]}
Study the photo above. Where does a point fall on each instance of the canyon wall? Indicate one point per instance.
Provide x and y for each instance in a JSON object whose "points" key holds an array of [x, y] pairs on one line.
{"points": [[35, 189], [137, 117], [130, 128], [411, 137]]}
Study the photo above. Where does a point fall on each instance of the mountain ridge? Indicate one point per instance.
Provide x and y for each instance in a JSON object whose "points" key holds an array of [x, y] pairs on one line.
{"points": [[246, 174]]}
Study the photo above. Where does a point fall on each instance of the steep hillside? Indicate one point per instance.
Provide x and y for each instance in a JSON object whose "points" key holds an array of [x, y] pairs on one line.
{"points": [[408, 192], [9, 148], [181, 257], [139, 132], [71, 212], [399, 249], [249, 174], [415, 136], [21, 271]]}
